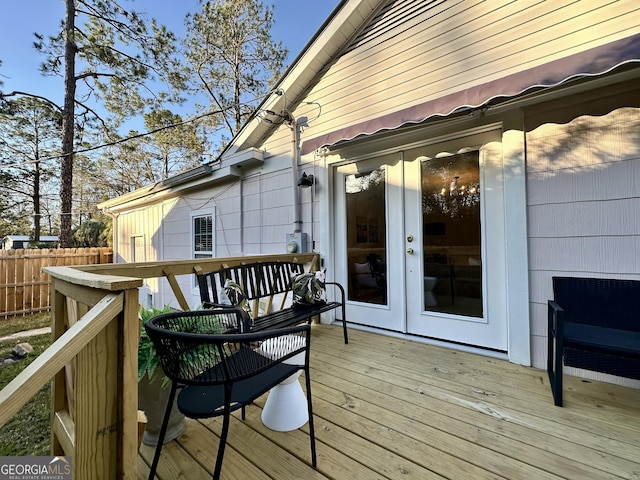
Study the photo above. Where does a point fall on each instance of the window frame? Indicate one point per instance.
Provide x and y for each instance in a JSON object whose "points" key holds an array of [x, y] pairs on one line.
{"points": [[192, 234], [192, 239]]}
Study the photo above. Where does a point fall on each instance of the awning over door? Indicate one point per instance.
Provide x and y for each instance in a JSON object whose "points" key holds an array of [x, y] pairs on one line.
{"points": [[593, 62]]}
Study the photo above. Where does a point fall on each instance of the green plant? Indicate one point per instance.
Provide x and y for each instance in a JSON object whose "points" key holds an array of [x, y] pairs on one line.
{"points": [[148, 359]]}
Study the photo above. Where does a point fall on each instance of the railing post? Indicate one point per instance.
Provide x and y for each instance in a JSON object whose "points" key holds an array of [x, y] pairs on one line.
{"points": [[128, 394], [107, 399], [96, 406], [95, 396], [59, 392]]}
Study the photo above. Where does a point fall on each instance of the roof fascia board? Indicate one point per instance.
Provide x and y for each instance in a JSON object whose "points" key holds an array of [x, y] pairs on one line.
{"points": [[159, 192]]}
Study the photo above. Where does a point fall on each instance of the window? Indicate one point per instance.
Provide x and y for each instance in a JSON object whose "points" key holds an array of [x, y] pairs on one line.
{"points": [[367, 236], [452, 234], [202, 238], [202, 234]]}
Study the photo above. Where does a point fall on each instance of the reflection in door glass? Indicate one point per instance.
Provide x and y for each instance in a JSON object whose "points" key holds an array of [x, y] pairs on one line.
{"points": [[452, 234], [367, 237]]}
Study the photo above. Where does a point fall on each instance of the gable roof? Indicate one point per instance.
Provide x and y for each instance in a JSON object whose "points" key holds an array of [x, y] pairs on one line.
{"points": [[351, 17], [334, 35]]}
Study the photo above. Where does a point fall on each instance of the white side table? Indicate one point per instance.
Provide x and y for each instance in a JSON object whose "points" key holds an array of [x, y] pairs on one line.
{"points": [[286, 406]]}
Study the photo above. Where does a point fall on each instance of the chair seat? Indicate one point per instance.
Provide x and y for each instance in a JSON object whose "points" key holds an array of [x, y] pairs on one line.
{"points": [[602, 338], [204, 401]]}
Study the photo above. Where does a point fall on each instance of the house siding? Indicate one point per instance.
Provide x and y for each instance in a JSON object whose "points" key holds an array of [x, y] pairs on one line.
{"points": [[146, 223], [449, 46], [252, 216], [571, 165], [583, 207]]}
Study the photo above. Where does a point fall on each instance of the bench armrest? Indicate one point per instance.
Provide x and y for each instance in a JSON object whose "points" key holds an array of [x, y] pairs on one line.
{"points": [[340, 287]]}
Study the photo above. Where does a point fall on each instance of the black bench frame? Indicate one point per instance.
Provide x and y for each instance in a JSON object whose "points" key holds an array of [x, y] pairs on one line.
{"points": [[263, 281], [593, 324]]}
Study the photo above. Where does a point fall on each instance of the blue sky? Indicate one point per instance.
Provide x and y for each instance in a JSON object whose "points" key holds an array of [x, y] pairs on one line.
{"points": [[296, 22]]}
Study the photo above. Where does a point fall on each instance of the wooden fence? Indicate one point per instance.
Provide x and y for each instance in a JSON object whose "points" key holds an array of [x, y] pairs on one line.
{"points": [[25, 288]]}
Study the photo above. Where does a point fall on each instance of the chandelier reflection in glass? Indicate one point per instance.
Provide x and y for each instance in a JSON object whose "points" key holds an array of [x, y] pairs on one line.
{"points": [[451, 186]]}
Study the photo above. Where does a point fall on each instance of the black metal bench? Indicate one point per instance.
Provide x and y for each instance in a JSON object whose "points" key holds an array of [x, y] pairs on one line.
{"points": [[266, 283], [593, 324]]}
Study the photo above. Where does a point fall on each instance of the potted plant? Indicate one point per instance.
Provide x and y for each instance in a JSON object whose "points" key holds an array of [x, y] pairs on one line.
{"points": [[153, 386]]}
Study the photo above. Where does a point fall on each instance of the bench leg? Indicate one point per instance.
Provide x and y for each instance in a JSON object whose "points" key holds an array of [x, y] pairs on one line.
{"points": [[557, 377], [555, 349], [344, 312], [344, 324]]}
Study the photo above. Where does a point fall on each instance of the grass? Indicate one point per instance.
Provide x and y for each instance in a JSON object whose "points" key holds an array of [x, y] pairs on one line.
{"points": [[20, 323], [29, 431]]}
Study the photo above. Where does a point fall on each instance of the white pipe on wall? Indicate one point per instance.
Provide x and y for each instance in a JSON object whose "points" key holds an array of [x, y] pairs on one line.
{"points": [[295, 151], [296, 128]]}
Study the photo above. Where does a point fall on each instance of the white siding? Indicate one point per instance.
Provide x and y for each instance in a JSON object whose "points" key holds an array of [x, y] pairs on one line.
{"points": [[582, 176], [268, 212], [583, 183], [145, 223], [454, 45]]}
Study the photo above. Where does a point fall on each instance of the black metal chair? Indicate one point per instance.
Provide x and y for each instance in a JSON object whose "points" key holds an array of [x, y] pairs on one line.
{"points": [[219, 372]]}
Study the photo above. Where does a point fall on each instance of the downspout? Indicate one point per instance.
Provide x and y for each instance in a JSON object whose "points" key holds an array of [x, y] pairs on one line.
{"points": [[241, 216], [296, 126], [114, 233]]}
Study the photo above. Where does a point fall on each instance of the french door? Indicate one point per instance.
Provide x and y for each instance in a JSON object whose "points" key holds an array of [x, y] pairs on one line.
{"points": [[420, 240]]}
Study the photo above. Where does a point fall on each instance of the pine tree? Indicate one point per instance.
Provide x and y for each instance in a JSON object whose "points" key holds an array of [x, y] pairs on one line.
{"points": [[110, 55], [29, 133], [232, 59]]}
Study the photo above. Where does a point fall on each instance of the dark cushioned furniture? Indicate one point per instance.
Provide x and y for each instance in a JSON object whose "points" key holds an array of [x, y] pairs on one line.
{"points": [[593, 324]]}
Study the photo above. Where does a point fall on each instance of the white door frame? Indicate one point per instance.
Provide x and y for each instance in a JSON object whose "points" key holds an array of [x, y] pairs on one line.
{"points": [[514, 171]]}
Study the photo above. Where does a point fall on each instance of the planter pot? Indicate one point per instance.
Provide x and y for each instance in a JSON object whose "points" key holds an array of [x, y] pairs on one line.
{"points": [[152, 398]]}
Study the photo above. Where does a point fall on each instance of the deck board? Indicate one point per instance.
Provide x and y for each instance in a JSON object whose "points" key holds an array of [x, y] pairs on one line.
{"points": [[389, 408]]}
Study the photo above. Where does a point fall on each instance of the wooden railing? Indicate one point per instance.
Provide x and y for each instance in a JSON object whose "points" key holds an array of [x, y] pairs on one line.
{"points": [[171, 269], [93, 361]]}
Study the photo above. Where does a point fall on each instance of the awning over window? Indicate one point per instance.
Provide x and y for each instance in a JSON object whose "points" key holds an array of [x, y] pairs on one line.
{"points": [[593, 62]]}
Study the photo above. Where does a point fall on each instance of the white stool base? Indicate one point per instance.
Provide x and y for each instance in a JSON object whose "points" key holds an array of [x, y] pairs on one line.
{"points": [[286, 406]]}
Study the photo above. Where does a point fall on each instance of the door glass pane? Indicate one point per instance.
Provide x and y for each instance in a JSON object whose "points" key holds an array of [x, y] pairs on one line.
{"points": [[367, 236], [452, 234]]}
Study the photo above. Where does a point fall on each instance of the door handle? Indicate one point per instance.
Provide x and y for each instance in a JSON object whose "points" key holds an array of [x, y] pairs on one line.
{"points": [[410, 238], [409, 251]]}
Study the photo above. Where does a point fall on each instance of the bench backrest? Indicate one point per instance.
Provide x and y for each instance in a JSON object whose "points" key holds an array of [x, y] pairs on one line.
{"points": [[258, 280], [602, 302]]}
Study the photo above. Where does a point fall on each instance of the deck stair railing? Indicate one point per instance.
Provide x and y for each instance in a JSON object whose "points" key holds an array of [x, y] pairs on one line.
{"points": [[93, 359]]}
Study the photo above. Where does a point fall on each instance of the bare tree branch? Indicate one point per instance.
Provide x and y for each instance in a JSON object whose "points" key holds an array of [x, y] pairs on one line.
{"points": [[214, 97], [88, 109], [33, 95]]}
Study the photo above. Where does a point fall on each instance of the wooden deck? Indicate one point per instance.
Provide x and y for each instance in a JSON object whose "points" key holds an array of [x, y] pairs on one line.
{"points": [[387, 408]]}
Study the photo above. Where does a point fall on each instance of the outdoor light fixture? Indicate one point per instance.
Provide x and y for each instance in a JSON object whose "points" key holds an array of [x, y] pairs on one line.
{"points": [[305, 180]]}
